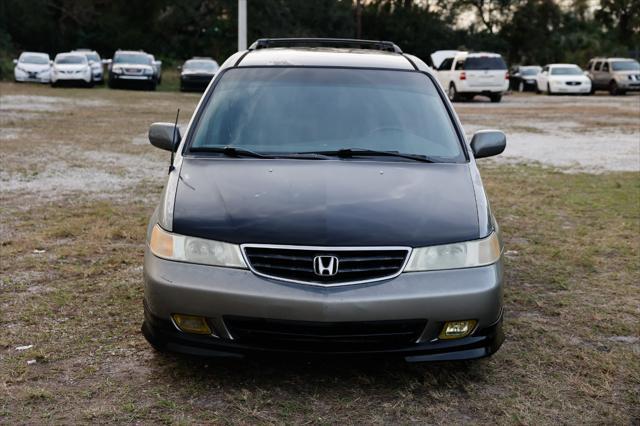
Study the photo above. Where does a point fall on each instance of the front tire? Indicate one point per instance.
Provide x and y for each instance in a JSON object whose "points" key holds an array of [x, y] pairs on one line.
{"points": [[549, 92], [614, 90]]}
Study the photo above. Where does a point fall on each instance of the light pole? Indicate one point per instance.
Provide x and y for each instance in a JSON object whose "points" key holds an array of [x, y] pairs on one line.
{"points": [[242, 24]]}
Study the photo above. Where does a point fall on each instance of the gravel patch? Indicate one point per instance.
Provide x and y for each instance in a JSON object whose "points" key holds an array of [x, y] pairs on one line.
{"points": [[105, 174], [37, 103], [562, 141]]}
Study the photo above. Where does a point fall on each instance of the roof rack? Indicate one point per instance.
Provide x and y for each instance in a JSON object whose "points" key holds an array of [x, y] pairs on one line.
{"points": [[266, 43]]}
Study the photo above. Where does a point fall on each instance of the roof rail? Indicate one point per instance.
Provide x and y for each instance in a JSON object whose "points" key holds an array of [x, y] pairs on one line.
{"points": [[266, 43]]}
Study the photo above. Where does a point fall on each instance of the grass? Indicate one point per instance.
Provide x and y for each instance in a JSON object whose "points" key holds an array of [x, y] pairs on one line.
{"points": [[572, 300]]}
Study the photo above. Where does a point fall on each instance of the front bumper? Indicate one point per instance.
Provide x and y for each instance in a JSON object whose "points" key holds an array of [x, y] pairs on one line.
{"points": [[71, 78], [563, 88], [195, 82], [220, 293], [630, 86], [128, 77], [31, 77]]}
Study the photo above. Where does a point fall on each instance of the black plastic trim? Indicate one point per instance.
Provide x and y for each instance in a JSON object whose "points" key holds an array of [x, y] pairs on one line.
{"points": [[266, 43], [164, 337]]}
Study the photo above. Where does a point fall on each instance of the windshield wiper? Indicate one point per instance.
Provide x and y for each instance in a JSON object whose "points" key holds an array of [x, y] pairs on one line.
{"points": [[231, 151], [361, 152]]}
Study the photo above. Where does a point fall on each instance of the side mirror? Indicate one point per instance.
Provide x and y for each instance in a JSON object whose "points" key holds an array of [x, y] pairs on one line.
{"points": [[106, 61], [161, 136], [179, 67], [15, 62], [50, 63], [487, 143]]}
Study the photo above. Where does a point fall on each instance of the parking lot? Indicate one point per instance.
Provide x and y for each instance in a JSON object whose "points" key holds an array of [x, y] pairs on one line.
{"points": [[79, 180]]}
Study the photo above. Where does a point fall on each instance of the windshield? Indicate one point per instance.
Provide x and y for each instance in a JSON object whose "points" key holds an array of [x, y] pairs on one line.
{"points": [[132, 58], [92, 57], [566, 71], [529, 71], [201, 65], [625, 66], [484, 63], [34, 59], [282, 110], [71, 59]]}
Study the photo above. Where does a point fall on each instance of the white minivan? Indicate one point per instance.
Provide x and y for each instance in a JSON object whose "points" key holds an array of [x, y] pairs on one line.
{"points": [[466, 75]]}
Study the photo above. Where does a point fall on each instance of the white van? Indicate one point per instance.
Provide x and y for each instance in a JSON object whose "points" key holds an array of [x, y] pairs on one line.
{"points": [[468, 74]]}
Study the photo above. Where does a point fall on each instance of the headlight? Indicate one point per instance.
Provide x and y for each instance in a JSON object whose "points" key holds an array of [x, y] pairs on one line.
{"points": [[195, 250], [454, 256], [148, 72], [116, 70]]}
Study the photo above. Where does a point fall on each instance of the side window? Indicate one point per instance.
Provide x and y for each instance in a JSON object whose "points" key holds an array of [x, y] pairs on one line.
{"points": [[445, 65], [597, 66], [605, 67], [459, 64], [589, 65]]}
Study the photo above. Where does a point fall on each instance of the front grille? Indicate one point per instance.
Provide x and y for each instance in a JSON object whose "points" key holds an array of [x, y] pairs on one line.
{"points": [[573, 83], [133, 70], [324, 336], [354, 265]]}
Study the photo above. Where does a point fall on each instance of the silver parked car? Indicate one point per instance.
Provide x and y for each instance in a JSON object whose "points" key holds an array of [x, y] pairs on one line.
{"points": [[324, 200], [617, 75]]}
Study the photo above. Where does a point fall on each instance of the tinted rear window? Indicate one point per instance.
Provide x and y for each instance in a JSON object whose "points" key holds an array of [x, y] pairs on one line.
{"points": [[485, 63], [292, 110]]}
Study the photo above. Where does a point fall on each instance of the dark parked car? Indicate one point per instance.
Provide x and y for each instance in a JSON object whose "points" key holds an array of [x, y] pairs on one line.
{"points": [[132, 68], [324, 200], [196, 73], [522, 78]]}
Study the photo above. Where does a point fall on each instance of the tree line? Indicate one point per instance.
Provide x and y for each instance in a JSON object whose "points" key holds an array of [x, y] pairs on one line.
{"points": [[524, 31]]}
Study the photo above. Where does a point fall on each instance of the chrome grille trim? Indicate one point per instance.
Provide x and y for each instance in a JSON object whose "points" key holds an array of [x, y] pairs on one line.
{"points": [[363, 249]]}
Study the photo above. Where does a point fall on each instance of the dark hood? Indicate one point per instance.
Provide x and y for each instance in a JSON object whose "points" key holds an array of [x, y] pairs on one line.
{"points": [[325, 202]]}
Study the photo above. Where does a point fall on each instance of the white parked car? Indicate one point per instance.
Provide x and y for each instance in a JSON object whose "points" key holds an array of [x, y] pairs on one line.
{"points": [[32, 66], [71, 68], [466, 75], [93, 57], [563, 78]]}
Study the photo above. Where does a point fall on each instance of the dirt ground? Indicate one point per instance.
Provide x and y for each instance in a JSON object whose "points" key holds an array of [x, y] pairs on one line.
{"points": [[78, 181]]}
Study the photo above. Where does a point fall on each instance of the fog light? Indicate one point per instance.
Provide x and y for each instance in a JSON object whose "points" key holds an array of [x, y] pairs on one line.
{"points": [[457, 329], [191, 323]]}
